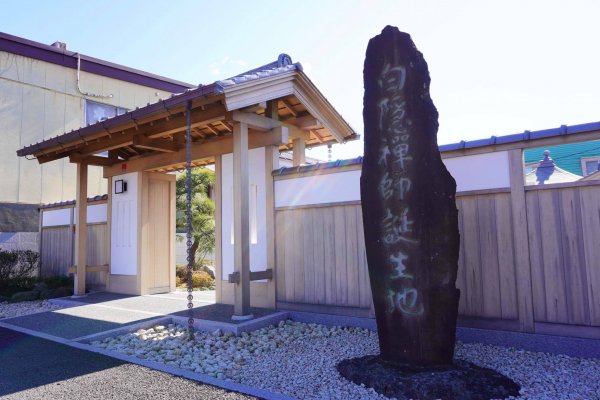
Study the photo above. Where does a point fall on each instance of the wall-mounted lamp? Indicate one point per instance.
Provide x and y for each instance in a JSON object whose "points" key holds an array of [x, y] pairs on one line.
{"points": [[120, 186]]}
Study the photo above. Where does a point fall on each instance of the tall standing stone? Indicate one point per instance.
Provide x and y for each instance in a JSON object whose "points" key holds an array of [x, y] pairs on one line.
{"points": [[409, 211]]}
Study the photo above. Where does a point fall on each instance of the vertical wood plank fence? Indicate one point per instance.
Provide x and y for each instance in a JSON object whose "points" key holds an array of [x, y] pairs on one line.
{"points": [[321, 262], [57, 252]]}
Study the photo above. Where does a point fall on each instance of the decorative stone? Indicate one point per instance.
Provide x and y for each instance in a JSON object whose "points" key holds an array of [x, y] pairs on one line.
{"points": [[462, 381], [409, 211]]}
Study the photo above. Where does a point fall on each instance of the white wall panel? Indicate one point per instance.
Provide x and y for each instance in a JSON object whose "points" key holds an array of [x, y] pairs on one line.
{"points": [[257, 212], [57, 217], [96, 213], [318, 189], [481, 171], [124, 222]]}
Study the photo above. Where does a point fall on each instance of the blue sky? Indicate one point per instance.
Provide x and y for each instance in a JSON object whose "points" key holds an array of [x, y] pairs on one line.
{"points": [[497, 67]]}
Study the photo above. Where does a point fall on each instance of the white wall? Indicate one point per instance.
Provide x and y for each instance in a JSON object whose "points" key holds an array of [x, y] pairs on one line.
{"points": [[480, 171], [258, 234], [318, 189], [124, 222], [477, 172], [57, 217], [96, 213]]}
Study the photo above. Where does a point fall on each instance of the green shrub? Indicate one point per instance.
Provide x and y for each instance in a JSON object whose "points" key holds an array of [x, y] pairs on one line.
{"points": [[181, 272], [55, 282], [204, 267], [40, 287], [201, 279], [8, 263], [25, 296], [8, 287], [18, 264], [48, 294], [64, 291]]}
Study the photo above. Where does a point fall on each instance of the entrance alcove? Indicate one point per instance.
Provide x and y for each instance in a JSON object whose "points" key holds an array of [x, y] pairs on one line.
{"points": [[240, 125], [142, 233]]}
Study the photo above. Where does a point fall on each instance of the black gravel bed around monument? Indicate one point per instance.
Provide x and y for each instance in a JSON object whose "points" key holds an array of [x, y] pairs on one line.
{"points": [[461, 381], [223, 313]]}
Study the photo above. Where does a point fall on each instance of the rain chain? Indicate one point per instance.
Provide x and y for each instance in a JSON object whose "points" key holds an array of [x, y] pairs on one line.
{"points": [[188, 211]]}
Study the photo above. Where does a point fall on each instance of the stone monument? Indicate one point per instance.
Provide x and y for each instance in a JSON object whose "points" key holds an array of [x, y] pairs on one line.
{"points": [[411, 235], [409, 211]]}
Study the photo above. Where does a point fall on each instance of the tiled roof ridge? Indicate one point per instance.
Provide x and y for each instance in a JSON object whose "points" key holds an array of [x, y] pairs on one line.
{"points": [[563, 130], [72, 202], [320, 165], [281, 65]]}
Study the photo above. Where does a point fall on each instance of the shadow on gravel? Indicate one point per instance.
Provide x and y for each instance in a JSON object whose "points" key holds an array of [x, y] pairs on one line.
{"points": [[28, 362]]}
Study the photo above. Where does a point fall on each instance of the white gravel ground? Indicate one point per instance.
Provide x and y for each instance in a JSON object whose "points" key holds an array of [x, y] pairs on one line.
{"points": [[9, 310], [299, 360]]}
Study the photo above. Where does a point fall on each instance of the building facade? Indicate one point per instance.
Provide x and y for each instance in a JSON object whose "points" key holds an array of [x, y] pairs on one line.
{"points": [[46, 90]]}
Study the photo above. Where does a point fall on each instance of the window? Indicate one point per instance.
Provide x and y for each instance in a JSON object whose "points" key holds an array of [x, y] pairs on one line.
{"points": [[96, 112], [589, 165]]}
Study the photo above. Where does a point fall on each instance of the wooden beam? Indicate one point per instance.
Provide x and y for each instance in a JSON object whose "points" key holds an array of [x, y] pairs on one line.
{"points": [[254, 276], [289, 107], [306, 122], [316, 135], [164, 145], [254, 120], [241, 219], [81, 229], [227, 127], [200, 150], [44, 158], [521, 240], [299, 152], [92, 160], [90, 268], [159, 128], [211, 129], [296, 133]]}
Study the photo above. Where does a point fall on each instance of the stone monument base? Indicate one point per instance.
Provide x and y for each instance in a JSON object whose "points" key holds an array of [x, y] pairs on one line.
{"points": [[461, 381]]}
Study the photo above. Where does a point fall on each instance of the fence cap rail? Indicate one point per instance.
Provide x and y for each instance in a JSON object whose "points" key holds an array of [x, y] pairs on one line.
{"points": [[95, 199]]}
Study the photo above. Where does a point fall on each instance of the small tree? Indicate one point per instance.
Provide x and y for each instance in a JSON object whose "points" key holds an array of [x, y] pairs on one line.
{"points": [[203, 210]]}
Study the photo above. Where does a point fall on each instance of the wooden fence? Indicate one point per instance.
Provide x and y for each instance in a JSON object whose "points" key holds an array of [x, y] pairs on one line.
{"points": [[57, 252], [321, 260], [321, 263]]}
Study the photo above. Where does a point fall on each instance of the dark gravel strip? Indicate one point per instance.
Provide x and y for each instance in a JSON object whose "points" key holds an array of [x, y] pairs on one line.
{"points": [[34, 368]]}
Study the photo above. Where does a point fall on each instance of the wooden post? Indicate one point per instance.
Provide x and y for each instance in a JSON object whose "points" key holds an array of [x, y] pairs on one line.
{"points": [[271, 163], [299, 156], [217, 196], [241, 221], [521, 240], [81, 229]]}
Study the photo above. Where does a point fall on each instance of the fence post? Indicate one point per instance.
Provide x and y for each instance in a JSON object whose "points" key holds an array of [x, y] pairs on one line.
{"points": [[521, 240]]}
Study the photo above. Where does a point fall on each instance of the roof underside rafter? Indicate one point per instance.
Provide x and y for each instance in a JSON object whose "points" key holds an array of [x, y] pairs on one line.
{"points": [[156, 133]]}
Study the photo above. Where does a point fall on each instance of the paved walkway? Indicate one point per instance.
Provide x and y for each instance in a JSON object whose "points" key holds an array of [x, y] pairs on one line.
{"points": [[34, 368], [100, 312], [47, 355]]}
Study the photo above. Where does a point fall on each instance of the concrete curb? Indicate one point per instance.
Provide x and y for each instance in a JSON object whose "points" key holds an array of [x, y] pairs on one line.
{"points": [[201, 378], [123, 330], [210, 326]]}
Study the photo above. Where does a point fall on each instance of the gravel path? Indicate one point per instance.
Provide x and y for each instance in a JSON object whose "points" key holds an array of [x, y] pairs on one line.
{"points": [[300, 360], [8, 310]]}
